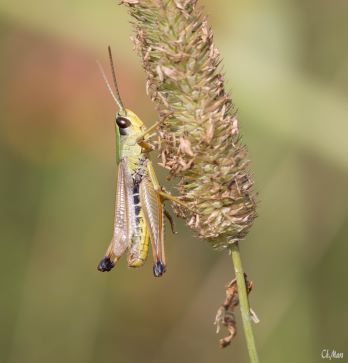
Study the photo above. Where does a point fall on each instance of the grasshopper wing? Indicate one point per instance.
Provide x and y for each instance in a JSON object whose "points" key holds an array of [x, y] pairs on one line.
{"points": [[123, 222]]}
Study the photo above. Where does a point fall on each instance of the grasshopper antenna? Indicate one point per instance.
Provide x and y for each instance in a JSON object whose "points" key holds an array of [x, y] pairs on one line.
{"points": [[118, 97], [101, 69]]}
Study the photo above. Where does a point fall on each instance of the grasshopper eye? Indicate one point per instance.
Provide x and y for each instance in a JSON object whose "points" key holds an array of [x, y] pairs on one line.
{"points": [[122, 122]]}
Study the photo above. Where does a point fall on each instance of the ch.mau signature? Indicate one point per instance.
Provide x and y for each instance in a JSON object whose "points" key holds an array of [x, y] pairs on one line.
{"points": [[331, 354]]}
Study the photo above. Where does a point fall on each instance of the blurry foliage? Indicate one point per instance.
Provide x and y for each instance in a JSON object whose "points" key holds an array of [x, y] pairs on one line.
{"points": [[287, 65]]}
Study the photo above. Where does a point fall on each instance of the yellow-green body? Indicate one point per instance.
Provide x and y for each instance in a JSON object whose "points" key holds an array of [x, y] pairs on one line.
{"points": [[139, 210], [135, 159], [139, 207]]}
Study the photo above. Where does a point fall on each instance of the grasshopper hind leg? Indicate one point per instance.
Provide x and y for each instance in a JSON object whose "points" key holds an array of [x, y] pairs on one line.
{"points": [[153, 212], [152, 206], [159, 268]]}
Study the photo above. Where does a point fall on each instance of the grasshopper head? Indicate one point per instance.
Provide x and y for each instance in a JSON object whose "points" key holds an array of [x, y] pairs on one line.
{"points": [[125, 119], [128, 122]]}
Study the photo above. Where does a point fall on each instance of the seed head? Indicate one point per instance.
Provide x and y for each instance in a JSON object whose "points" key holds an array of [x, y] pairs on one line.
{"points": [[199, 140]]}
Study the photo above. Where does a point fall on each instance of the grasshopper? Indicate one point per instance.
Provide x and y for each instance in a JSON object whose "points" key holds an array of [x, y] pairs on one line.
{"points": [[139, 210]]}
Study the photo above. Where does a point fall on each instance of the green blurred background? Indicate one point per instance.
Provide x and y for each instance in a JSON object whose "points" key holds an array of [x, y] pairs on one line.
{"points": [[286, 63]]}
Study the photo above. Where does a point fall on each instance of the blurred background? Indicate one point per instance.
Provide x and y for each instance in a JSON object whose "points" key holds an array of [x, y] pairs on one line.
{"points": [[286, 64]]}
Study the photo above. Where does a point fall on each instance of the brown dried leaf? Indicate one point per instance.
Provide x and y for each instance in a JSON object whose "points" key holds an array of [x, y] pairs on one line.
{"points": [[225, 314]]}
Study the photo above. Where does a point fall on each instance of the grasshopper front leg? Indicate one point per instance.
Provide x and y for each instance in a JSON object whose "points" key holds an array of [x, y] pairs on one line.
{"points": [[143, 142], [148, 131]]}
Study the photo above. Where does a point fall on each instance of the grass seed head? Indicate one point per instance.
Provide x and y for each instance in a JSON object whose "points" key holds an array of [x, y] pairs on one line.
{"points": [[199, 140]]}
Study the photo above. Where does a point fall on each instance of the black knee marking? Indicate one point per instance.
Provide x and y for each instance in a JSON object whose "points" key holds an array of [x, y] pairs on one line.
{"points": [[159, 269]]}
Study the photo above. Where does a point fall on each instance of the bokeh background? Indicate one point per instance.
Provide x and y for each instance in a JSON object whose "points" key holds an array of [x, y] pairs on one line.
{"points": [[286, 63]]}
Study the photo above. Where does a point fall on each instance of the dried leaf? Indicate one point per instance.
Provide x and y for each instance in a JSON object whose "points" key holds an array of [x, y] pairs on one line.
{"points": [[225, 314]]}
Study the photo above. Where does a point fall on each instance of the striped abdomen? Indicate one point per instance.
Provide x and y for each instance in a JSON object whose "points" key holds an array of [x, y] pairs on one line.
{"points": [[139, 244]]}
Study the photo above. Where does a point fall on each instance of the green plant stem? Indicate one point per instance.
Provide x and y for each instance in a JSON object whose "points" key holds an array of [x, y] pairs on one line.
{"points": [[244, 303]]}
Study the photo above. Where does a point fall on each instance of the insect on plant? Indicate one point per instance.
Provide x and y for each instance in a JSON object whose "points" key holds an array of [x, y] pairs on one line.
{"points": [[139, 210]]}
